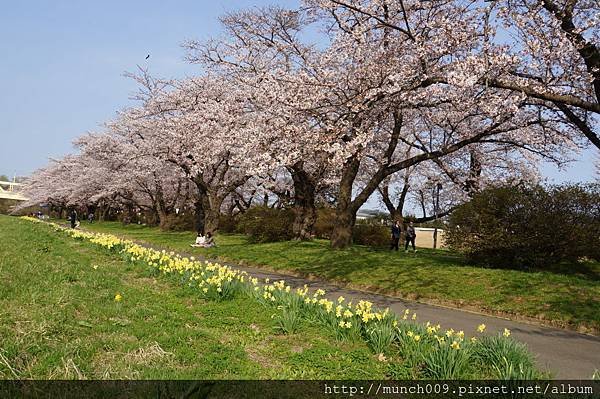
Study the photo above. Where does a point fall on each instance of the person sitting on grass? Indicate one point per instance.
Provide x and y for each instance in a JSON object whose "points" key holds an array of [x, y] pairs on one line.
{"points": [[200, 240], [209, 242]]}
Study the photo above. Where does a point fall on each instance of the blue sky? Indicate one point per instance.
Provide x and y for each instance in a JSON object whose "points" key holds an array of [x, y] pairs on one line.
{"points": [[62, 63]]}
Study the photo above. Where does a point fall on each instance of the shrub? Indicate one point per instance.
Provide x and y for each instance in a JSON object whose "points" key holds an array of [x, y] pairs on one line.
{"points": [[325, 222], [528, 226], [7, 205], [371, 235], [263, 224], [178, 223], [227, 224]]}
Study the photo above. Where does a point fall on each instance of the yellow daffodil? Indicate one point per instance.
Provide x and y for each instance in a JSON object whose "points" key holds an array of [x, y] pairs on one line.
{"points": [[221, 280]]}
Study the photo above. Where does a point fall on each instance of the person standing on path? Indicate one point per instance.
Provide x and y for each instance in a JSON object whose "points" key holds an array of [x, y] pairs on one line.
{"points": [[411, 235], [73, 218], [395, 235]]}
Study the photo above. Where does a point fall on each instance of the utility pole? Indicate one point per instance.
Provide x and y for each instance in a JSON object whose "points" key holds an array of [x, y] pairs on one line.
{"points": [[436, 206]]}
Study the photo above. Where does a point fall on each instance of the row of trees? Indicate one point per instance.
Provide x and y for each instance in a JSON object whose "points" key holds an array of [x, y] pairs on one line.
{"points": [[392, 98]]}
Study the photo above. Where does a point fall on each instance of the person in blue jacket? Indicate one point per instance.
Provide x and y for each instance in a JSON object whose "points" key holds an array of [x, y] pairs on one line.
{"points": [[395, 235]]}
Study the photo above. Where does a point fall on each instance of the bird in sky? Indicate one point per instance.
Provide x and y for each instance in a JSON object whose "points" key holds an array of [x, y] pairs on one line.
{"points": [[148, 56]]}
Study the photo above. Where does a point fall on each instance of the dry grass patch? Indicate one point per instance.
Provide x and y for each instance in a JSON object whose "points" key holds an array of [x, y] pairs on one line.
{"points": [[147, 355]]}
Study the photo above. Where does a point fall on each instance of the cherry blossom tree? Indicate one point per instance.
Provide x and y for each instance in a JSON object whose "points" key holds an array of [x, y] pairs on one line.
{"points": [[548, 50], [204, 127], [436, 187], [290, 135], [394, 93], [50, 185], [129, 173], [556, 48], [370, 91], [108, 173]]}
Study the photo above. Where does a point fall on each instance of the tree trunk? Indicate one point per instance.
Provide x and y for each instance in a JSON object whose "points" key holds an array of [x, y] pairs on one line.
{"points": [[347, 207], [211, 207], [397, 216], [341, 236], [159, 209], [345, 212], [199, 216], [304, 222], [160, 216], [395, 211], [305, 211], [211, 221], [105, 213]]}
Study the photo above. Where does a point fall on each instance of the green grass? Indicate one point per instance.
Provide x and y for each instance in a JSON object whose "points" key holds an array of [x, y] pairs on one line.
{"points": [[437, 276], [59, 320]]}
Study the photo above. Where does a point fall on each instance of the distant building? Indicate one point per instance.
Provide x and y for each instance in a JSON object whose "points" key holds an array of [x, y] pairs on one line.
{"points": [[372, 216], [363, 214]]}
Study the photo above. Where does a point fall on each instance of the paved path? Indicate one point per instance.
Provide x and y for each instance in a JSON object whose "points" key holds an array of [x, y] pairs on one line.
{"points": [[567, 354]]}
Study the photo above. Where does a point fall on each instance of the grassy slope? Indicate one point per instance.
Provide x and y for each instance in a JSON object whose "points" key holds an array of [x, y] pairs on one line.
{"points": [[58, 319], [435, 276]]}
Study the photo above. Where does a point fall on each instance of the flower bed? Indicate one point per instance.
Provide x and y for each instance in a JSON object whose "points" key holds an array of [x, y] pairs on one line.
{"points": [[426, 351]]}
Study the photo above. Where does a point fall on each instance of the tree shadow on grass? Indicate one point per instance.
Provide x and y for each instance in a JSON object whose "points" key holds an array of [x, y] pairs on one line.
{"points": [[316, 257], [585, 269]]}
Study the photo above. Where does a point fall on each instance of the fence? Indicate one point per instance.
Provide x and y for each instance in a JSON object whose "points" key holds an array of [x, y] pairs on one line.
{"points": [[425, 237]]}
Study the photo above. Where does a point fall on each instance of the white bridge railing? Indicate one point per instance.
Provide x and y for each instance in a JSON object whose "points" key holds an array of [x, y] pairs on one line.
{"points": [[11, 190]]}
